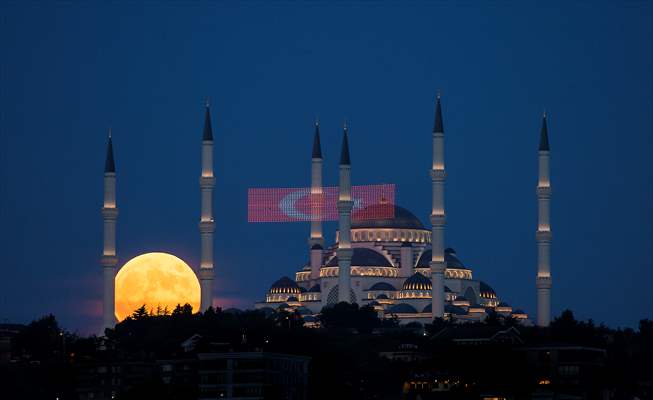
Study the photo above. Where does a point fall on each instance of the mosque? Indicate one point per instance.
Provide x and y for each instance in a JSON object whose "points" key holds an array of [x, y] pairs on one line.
{"points": [[397, 265]]}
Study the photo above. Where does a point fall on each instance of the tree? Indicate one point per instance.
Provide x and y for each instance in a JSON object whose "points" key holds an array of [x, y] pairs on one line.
{"points": [[41, 339], [140, 313]]}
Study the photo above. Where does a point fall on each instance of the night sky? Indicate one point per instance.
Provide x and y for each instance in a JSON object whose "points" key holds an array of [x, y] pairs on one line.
{"points": [[69, 72]]}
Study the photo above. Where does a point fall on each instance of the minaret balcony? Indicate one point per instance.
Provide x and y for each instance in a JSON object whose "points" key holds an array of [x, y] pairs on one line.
{"points": [[207, 226], [207, 182], [109, 212], [438, 175], [543, 192], [543, 282], [109, 261], [345, 206], [438, 219], [205, 273], [437, 267], [543, 236]]}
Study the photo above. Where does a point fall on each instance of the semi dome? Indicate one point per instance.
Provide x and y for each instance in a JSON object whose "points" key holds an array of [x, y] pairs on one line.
{"points": [[403, 219], [450, 259], [402, 308], [486, 291], [417, 282], [364, 257], [285, 285], [382, 286]]}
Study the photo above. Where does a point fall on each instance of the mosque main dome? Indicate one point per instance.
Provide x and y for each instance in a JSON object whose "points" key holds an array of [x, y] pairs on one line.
{"points": [[403, 219]]}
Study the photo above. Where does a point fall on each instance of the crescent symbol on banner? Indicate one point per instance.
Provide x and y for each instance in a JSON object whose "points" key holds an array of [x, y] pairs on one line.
{"points": [[287, 205]]}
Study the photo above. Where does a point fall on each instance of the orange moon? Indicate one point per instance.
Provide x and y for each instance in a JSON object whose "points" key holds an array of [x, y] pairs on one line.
{"points": [[156, 280]]}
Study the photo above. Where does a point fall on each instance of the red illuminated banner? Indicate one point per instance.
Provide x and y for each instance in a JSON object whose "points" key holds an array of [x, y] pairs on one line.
{"points": [[298, 204]]}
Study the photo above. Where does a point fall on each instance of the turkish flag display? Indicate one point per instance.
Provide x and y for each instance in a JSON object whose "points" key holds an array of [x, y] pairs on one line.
{"points": [[299, 205]]}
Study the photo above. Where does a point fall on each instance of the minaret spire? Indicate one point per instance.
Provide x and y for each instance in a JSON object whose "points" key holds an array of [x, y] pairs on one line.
{"points": [[543, 234], [544, 134], [344, 154], [109, 258], [109, 163], [316, 241], [345, 204], [206, 225], [438, 217]]}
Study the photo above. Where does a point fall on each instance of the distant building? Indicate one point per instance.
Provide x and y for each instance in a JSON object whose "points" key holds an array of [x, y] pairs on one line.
{"points": [[7, 334], [567, 371], [475, 335], [252, 375]]}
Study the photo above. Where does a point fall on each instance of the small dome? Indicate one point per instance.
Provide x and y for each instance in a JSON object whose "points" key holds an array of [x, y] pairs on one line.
{"points": [[382, 286], [450, 259], [403, 219], [402, 308], [486, 290], [417, 282], [382, 297], [315, 289], [285, 285], [364, 257]]}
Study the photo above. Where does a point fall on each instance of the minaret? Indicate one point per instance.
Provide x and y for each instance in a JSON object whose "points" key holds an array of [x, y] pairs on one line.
{"points": [[109, 259], [345, 204], [438, 176], [206, 225], [316, 241], [543, 234]]}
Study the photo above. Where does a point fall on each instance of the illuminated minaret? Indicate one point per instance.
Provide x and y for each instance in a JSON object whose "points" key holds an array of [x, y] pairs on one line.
{"points": [[316, 241], [207, 226], [438, 176], [109, 258], [345, 204], [543, 234]]}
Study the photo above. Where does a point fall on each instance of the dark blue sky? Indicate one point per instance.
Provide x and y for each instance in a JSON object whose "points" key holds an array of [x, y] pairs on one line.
{"points": [[71, 71]]}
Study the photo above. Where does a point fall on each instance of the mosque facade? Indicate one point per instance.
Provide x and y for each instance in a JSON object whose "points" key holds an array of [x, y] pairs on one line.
{"points": [[398, 265]]}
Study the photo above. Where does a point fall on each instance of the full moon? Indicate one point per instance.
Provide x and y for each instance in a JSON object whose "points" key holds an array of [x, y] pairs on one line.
{"points": [[156, 280]]}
